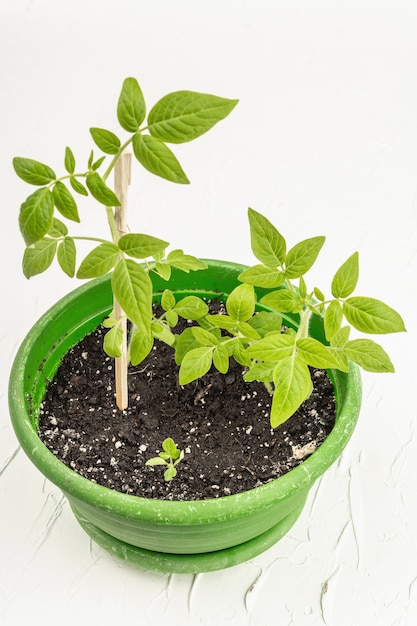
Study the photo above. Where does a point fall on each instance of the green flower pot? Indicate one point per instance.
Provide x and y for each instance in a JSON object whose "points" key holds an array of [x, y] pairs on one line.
{"points": [[183, 537]]}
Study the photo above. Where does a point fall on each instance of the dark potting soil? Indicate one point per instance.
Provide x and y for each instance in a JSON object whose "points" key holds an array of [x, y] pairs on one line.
{"points": [[220, 421]]}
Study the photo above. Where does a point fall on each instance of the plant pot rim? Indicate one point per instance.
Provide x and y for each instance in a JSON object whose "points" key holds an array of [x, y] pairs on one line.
{"points": [[166, 511]]}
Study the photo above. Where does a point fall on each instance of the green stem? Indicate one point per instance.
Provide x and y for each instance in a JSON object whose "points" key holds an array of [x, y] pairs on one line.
{"points": [[116, 158]]}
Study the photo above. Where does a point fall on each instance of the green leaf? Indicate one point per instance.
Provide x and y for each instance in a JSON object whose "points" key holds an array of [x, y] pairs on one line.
{"points": [[131, 109], [266, 322], [184, 115], [372, 316], [65, 202], [58, 229], [292, 386], [191, 308], [221, 358], [171, 318], [157, 460], [184, 343], [158, 159], [222, 321], [112, 343], [262, 276], [36, 214], [161, 331], [107, 141], [170, 473], [315, 353], [132, 288], [38, 257], [239, 354], [283, 300], [140, 346], [141, 246], [248, 332], [205, 337], [69, 161], [273, 347], [319, 294], [77, 186], [195, 364], [66, 256], [262, 372], [302, 256], [368, 355], [163, 269], [345, 280], [96, 164], [185, 262], [99, 261], [332, 319], [33, 172], [268, 245], [100, 191], [341, 337], [169, 446], [240, 303], [168, 300]]}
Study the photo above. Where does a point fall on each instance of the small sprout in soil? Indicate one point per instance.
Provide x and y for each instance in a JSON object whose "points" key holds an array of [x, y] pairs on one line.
{"points": [[170, 456]]}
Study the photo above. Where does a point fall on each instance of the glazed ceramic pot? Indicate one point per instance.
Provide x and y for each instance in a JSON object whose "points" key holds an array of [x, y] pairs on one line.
{"points": [[168, 536]]}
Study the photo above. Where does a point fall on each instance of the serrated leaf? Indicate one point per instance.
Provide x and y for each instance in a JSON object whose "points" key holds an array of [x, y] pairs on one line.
{"points": [[132, 288], [140, 346], [33, 172], [65, 202], [99, 261], [266, 322], [262, 276], [185, 262], [35, 218], [293, 385], [66, 255], [268, 245], [100, 191], [345, 280], [332, 319], [184, 115], [191, 308], [273, 347], [38, 257], [372, 316], [58, 229], [69, 161], [221, 358], [369, 355], [141, 246], [283, 300], [157, 158], [104, 139], [240, 303], [77, 186], [131, 109], [112, 344], [302, 256], [195, 364], [315, 353]]}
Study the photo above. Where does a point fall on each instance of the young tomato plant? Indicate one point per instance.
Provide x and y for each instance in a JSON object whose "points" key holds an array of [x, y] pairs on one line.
{"points": [[170, 457], [176, 118], [281, 356]]}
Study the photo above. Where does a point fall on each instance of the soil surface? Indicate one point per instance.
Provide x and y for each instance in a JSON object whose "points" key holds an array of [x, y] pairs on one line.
{"points": [[220, 421]]}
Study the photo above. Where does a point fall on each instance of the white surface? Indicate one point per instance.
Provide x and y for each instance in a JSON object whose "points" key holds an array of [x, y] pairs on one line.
{"points": [[323, 141]]}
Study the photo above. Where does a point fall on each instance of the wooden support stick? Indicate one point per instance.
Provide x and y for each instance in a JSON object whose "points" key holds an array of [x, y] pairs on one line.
{"points": [[121, 183]]}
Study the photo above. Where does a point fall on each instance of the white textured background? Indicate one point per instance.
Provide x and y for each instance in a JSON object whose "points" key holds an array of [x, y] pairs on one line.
{"points": [[323, 141]]}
